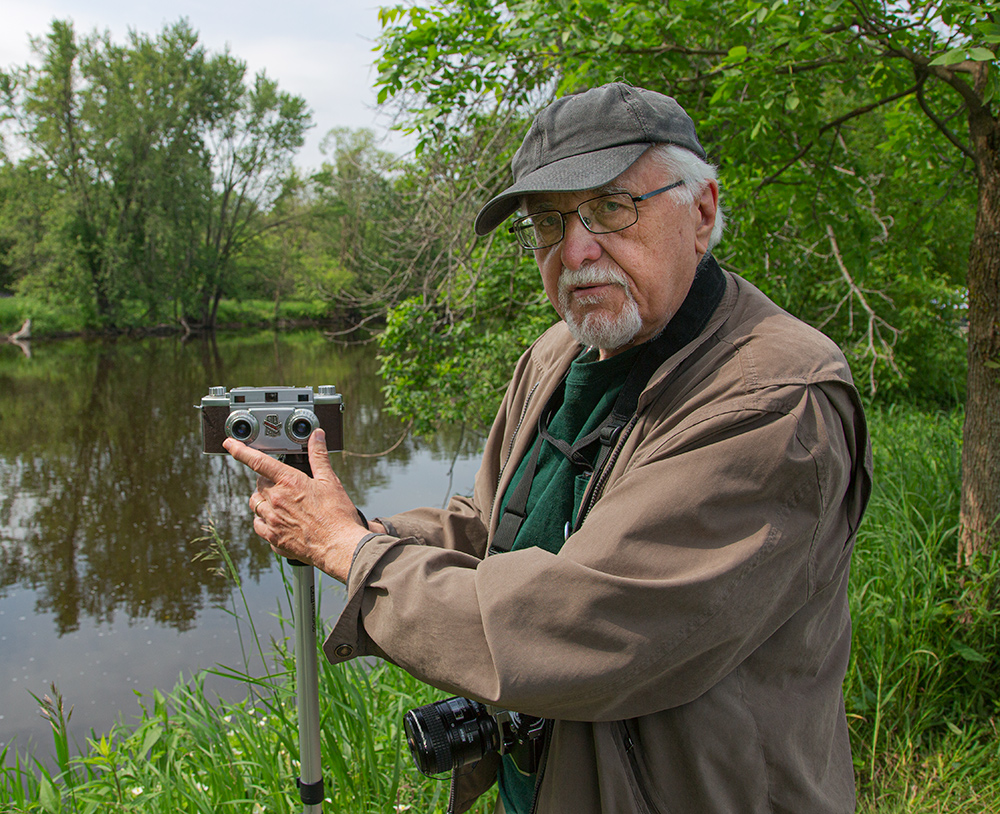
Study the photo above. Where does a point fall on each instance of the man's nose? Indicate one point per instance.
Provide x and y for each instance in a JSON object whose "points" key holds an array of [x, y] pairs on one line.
{"points": [[578, 244]]}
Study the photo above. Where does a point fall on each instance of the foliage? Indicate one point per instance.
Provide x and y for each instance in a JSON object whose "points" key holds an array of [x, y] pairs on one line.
{"points": [[46, 319], [147, 169], [365, 224], [858, 223], [456, 378]]}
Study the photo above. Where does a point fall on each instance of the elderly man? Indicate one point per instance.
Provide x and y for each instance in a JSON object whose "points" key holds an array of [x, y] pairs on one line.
{"points": [[655, 557]]}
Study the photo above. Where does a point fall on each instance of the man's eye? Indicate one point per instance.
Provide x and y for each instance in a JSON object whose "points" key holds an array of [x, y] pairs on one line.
{"points": [[546, 221]]}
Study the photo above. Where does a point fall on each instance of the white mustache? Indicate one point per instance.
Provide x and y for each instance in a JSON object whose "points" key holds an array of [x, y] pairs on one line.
{"points": [[590, 275]]}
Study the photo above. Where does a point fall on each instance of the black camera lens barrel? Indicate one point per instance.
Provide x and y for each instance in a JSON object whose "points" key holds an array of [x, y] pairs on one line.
{"points": [[450, 734]]}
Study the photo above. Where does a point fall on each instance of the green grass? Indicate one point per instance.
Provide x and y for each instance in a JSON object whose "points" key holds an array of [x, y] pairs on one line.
{"points": [[921, 690], [46, 319]]}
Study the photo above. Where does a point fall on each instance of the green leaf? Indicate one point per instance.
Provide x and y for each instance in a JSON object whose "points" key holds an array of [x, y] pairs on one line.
{"points": [[990, 31], [981, 55], [152, 737], [952, 57], [968, 653], [736, 54], [47, 795]]}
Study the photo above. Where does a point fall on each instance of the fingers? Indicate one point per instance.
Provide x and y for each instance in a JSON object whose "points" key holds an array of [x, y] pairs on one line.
{"points": [[262, 464], [319, 456], [270, 469]]}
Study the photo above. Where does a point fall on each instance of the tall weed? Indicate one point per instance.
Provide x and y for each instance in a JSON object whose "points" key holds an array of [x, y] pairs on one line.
{"points": [[923, 678]]}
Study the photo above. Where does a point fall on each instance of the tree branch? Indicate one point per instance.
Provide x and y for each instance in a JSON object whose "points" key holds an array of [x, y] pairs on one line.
{"points": [[834, 123], [875, 343], [922, 101], [948, 75]]}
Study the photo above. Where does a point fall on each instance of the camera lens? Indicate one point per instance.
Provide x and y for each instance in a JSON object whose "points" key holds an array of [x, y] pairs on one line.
{"points": [[242, 429], [300, 425], [243, 426], [450, 734]]}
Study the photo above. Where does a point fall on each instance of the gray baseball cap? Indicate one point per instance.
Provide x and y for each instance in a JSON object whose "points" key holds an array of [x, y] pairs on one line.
{"points": [[588, 139]]}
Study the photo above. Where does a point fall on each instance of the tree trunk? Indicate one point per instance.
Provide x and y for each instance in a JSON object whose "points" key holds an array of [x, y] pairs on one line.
{"points": [[981, 435]]}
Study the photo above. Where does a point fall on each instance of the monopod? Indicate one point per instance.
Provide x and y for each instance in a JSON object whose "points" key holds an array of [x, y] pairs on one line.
{"points": [[310, 780], [287, 416]]}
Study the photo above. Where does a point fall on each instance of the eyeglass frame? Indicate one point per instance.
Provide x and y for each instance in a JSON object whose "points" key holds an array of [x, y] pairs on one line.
{"points": [[513, 229]]}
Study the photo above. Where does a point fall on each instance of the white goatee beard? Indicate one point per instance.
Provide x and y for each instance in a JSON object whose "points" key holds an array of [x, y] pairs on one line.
{"points": [[599, 328]]}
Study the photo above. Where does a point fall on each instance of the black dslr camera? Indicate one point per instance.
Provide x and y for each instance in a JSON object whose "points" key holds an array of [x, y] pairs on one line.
{"points": [[455, 732], [275, 420]]}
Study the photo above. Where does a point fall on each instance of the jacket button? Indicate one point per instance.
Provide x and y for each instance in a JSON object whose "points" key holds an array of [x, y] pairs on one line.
{"points": [[344, 650]]}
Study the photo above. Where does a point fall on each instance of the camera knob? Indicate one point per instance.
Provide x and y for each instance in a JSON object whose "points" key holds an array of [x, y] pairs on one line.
{"points": [[327, 390], [216, 391]]}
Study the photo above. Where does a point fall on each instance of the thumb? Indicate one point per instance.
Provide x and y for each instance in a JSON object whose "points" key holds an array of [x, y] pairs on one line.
{"points": [[319, 456]]}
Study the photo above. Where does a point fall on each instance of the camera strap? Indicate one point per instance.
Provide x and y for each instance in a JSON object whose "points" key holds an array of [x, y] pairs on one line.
{"points": [[689, 321]]}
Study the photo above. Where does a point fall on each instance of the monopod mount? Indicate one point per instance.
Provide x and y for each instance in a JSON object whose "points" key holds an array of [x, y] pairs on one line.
{"points": [[310, 780]]}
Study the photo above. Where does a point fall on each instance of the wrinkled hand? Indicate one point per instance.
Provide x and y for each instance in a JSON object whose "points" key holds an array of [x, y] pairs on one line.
{"points": [[307, 519]]}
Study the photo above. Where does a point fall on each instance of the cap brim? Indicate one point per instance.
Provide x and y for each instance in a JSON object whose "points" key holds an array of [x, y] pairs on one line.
{"points": [[572, 174]]}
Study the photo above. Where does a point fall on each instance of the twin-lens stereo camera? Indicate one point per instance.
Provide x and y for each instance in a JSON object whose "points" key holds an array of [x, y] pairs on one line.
{"points": [[274, 420]]}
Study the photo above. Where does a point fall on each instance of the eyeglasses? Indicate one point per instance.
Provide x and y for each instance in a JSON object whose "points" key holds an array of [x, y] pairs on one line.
{"points": [[600, 216]]}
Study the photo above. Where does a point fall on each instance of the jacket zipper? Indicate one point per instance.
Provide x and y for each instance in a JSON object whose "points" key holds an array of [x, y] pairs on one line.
{"points": [[634, 766], [452, 790], [542, 762]]}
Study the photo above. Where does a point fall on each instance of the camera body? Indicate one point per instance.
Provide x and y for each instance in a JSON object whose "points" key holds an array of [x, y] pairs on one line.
{"points": [[275, 420], [457, 731]]}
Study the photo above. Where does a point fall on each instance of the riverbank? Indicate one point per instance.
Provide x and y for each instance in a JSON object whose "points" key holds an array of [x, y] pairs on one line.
{"points": [[61, 322], [920, 691]]}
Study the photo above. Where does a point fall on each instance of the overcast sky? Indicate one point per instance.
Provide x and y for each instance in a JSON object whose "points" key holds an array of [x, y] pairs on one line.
{"points": [[318, 49]]}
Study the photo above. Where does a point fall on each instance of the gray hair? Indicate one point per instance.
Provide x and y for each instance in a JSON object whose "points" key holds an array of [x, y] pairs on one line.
{"points": [[685, 165]]}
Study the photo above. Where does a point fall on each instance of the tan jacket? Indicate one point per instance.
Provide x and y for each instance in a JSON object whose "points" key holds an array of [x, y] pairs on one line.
{"points": [[691, 639]]}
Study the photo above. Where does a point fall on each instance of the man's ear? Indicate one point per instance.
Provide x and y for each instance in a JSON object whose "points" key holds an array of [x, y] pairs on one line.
{"points": [[704, 210]]}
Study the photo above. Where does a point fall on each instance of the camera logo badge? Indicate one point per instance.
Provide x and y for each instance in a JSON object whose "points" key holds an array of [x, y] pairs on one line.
{"points": [[272, 425]]}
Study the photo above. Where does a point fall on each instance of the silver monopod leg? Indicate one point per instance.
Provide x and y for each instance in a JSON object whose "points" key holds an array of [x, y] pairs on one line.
{"points": [[310, 780]]}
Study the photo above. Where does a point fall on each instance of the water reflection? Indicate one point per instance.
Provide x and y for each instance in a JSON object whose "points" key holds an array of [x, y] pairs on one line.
{"points": [[103, 487]]}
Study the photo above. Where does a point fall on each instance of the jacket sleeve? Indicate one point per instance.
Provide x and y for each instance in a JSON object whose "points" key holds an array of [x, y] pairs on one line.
{"points": [[711, 535]]}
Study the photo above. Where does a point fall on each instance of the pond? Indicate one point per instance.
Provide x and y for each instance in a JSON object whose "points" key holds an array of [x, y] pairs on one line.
{"points": [[105, 497]]}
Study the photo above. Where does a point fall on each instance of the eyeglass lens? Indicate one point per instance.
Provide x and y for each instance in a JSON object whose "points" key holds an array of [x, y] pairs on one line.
{"points": [[608, 213]]}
